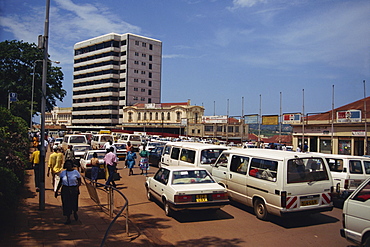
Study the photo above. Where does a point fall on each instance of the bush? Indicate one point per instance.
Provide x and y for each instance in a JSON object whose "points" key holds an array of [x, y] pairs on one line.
{"points": [[9, 187]]}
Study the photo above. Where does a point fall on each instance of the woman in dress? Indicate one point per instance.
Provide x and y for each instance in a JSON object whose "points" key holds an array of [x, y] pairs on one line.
{"points": [[144, 164], [70, 181], [130, 158]]}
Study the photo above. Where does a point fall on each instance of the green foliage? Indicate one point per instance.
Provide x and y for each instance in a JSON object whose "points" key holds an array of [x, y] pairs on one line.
{"points": [[17, 60], [9, 187], [14, 145]]}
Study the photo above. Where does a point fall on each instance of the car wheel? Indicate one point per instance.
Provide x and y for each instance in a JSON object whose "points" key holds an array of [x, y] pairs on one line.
{"points": [[367, 242], [260, 209], [167, 209], [148, 194]]}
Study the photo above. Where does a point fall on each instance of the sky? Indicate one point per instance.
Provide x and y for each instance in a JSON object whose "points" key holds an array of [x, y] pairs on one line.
{"points": [[273, 55]]}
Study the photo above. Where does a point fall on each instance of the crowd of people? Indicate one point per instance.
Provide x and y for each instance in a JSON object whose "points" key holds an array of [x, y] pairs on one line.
{"points": [[64, 173]]}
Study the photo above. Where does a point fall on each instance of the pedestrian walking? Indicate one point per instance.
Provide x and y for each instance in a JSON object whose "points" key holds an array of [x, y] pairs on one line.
{"points": [[35, 160], [70, 181], [51, 164], [110, 160], [128, 148], [94, 167], [130, 158], [58, 168], [144, 164]]}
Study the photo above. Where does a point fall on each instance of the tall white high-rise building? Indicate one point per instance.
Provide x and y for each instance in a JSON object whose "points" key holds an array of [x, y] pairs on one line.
{"points": [[113, 71]]}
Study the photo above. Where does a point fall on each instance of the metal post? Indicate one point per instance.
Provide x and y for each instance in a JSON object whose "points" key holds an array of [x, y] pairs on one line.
{"points": [[365, 144], [43, 106], [332, 123], [302, 145]]}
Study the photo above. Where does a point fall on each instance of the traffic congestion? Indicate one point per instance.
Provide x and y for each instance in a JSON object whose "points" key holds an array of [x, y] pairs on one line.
{"points": [[188, 176]]}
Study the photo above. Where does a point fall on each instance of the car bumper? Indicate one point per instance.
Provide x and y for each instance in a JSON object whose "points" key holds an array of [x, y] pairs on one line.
{"points": [[197, 205], [307, 211]]}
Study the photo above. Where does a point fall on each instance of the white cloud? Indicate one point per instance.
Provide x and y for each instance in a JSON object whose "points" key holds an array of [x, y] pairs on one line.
{"points": [[245, 3]]}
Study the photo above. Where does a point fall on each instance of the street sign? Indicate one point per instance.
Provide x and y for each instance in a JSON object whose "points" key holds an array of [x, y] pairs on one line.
{"points": [[13, 97]]}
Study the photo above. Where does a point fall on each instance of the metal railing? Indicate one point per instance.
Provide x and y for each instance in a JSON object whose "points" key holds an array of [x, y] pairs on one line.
{"points": [[92, 188]]}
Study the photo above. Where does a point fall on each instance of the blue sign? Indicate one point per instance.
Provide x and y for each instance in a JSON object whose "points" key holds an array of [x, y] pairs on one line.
{"points": [[13, 97]]}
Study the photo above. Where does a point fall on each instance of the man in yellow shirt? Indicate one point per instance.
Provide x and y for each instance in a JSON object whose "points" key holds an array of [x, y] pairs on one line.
{"points": [[35, 160], [58, 167], [52, 163]]}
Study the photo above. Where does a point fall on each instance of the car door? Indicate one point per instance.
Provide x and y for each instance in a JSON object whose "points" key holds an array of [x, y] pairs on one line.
{"points": [[237, 179], [159, 182], [174, 156], [219, 170]]}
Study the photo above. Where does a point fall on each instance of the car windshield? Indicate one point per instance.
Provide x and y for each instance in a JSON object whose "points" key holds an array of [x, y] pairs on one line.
{"points": [[306, 170], [81, 148], [120, 146], [100, 155], [191, 177], [77, 139]]}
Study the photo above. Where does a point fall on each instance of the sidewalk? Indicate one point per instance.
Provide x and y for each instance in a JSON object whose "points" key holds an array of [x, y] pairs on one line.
{"points": [[32, 227]]}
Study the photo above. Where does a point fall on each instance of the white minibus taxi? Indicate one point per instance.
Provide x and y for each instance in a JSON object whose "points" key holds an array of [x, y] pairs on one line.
{"points": [[191, 154], [348, 172], [275, 182]]}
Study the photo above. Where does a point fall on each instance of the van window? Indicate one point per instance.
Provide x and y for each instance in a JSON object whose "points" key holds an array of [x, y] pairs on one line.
{"points": [[367, 167], [355, 167], [364, 194], [106, 138], [306, 170], [335, 165], [187, 155], [175, 153], [223, 160], [263, 169], [209, 156], [77, 139], [239, 164], [167, 150], [135, 138]]}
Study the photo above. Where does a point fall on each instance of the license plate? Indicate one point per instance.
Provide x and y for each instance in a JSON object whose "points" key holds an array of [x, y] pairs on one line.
{"points": [[309, 202], [201, 198]]}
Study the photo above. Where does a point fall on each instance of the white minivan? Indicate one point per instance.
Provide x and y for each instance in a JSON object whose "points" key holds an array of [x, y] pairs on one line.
{"points": [[191, 154], [134, 139], [348, 172], [73, 140], [356, 216], [275, 182]]}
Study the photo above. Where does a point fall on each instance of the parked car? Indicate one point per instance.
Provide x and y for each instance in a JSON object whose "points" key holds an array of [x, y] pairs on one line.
{"points": [[356, 216], [80, 150], [86, 162], [185, 188], [152, 145], [120, 150], [155, 155], [98, 141], [73, 140], [58, 142]]}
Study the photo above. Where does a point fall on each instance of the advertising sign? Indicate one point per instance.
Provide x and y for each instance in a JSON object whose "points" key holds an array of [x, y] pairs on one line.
{"points": [[291, 118], [214, 119], [251, 119], [349, 116], [270, 120]]}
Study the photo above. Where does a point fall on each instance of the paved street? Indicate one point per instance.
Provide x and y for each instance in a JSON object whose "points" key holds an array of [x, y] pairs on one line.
{"points": [[234, 225]]}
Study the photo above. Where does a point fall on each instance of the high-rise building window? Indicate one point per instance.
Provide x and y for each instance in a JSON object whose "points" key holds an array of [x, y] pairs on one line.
{"points": [[136, 42], [150, 47], [150, 66], [150, 58], [149, 83], [150, 74]]}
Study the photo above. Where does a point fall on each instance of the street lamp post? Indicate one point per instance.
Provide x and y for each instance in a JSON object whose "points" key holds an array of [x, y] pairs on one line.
{"points": [[33, 86]]}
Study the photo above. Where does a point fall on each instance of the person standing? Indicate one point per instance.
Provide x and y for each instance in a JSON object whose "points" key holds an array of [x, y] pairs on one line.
{"points": [[57, 169], [130, 157], [70, 181], [52, 163], [70, 155], [94, 167], [35, 160], [144, 164], [128, 149], [110, 160]]}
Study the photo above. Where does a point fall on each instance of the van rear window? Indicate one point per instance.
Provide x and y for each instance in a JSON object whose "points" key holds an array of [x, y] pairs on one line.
{"points": [[306, 170], [335, 165]]}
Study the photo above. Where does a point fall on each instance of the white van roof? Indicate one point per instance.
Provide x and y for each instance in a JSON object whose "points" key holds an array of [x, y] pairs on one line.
{"points": [[196, 145], [271, 153], [342, 156]]}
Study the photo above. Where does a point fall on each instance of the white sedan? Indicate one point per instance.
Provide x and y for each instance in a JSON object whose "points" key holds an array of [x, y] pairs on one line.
{"points": [[185, 188], [86, 162]]}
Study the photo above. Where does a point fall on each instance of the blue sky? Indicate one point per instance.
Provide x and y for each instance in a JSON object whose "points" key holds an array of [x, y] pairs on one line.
{"points": [[217, 51]]}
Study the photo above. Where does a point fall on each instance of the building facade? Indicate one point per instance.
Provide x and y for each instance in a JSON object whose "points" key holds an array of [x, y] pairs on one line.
{"points": [[343, 130], [59, 116], [113, 71], [174, 118]]}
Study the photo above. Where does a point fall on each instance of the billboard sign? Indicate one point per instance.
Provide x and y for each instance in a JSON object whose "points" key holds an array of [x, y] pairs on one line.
{"points": [[251, 119], [349, 116], [291, 118], [270, 120], [214, 119]]}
